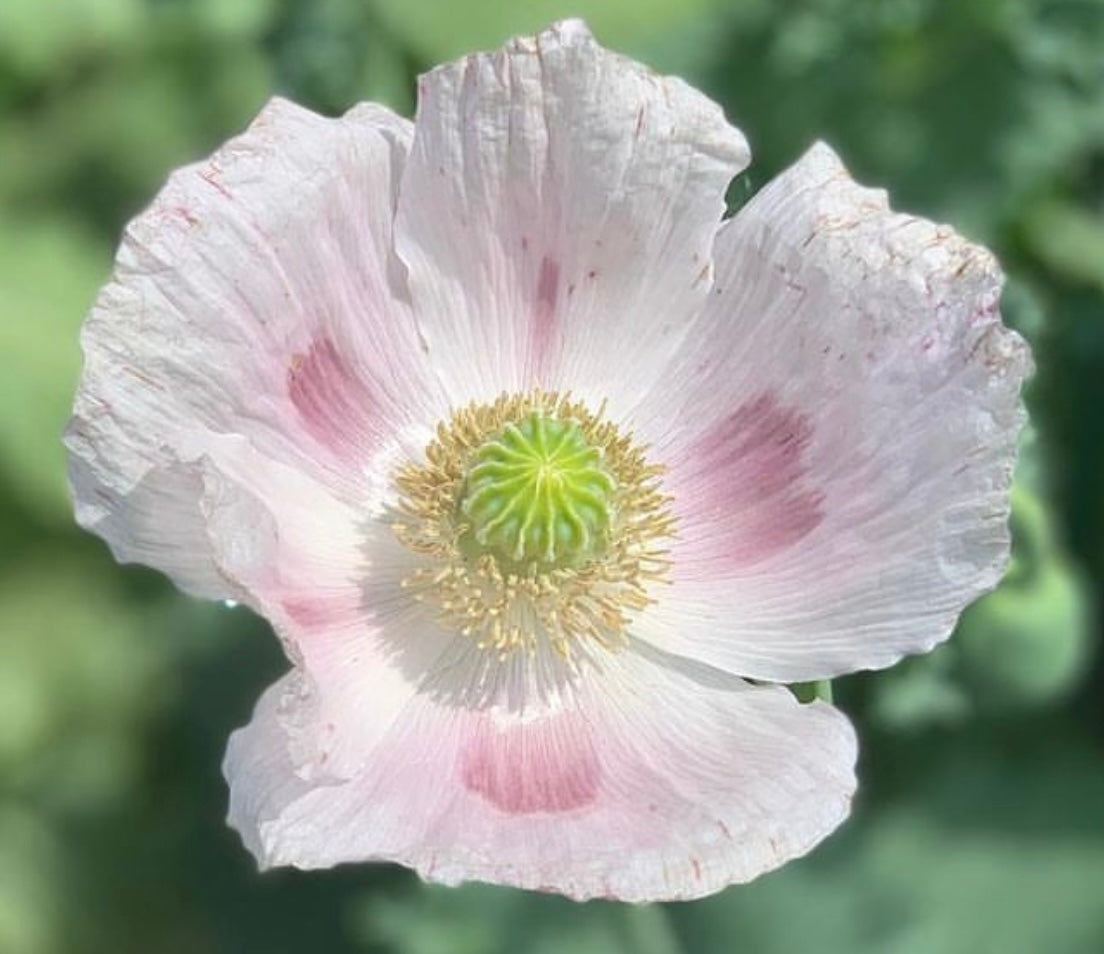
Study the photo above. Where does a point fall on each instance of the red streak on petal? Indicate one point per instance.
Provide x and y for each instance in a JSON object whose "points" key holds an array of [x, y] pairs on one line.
{"points": [[333, 404], [747, 486], [311, 613], [544, 312], [544, 766]]}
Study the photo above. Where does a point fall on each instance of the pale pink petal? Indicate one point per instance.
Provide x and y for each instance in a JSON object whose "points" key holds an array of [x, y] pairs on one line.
{"points": [[641, 781], [256, 326], [133, 519], [363, 646], [557, 216], [840, 431], [243, 527], [277, 533]]}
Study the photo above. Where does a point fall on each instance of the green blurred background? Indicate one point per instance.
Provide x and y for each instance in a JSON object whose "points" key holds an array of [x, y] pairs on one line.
{"points": [[980, 823]]}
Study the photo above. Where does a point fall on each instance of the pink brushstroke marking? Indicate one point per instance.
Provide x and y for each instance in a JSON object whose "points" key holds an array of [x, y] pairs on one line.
{"points": [[744, 487], [544, 312], [333, 404], [316, 613], [544, 766]]}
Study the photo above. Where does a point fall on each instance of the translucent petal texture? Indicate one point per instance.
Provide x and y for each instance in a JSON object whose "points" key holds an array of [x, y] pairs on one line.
{"points": [[648, 780], [256, 331], [837, 408], [558, 214], [848, 410]]}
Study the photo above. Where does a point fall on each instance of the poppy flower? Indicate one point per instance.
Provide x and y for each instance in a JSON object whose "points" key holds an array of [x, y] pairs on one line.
{"points": [[548, 477]]}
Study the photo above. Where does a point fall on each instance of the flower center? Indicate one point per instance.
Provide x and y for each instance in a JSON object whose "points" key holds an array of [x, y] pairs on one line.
{"points": [[537, 493], [537, 522]]}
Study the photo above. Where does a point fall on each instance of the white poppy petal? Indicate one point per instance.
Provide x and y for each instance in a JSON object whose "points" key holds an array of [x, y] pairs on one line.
{"points": [[132, 520], [321, 382], [257, 298], [557, 216], [649, 782], [840, 432]]}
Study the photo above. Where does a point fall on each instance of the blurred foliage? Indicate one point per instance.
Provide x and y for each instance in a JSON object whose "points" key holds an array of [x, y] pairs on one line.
{"points": [[978, 827], [438, 32]]}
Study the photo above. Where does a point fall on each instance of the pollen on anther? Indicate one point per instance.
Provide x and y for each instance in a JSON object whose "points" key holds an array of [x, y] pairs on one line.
{"points": [[539, 593]]}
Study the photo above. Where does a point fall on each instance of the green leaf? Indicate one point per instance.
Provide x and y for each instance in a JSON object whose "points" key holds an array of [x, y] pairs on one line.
{"points": [[33, 899], [481, 919], [49, 273], [808, 691], [441, 31], [78, 674], [36, 39], [1069, 240]]}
